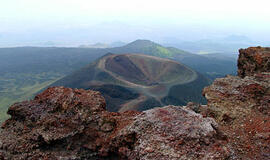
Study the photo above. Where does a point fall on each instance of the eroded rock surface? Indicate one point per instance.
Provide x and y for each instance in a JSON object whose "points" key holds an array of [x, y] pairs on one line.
{"points": [[253, 60], [241, 106], [173, 132], [62, 123]]}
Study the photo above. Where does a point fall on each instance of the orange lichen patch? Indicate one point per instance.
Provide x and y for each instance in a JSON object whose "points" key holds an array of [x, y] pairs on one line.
{"points": [[252, 50], [253, 60], [258, 58]]}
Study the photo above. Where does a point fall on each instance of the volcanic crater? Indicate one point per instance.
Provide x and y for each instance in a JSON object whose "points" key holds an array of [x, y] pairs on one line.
{"points": [[135, 81]]}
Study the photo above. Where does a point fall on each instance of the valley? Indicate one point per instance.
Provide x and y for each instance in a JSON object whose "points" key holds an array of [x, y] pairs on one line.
{"points": [[26, 71], [151, 78], [19, 87]]}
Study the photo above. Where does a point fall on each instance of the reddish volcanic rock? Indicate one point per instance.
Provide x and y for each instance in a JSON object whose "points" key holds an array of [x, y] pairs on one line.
{"points": [[174, 133], [253, 60], [62, 123], [242, 109], [241, 106]]}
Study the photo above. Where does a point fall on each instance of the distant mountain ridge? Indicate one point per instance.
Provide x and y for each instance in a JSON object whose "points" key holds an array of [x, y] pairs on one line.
{"points": [[27, 69], [104, 45], [150, 48], [96, 45], [65, 60], [212, 67], [228, 45]]}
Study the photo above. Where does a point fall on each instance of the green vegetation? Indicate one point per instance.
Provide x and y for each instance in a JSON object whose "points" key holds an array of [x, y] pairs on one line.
{"points": [[26, 70], [148, 47], [205, 64], [22, 86], [164, 52]]}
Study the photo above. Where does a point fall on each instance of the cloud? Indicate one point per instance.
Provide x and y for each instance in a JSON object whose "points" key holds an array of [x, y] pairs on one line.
{"points": [[215, 16]]}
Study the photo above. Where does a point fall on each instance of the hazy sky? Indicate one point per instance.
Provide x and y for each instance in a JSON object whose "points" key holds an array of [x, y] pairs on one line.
{"points": [[51, 20]]}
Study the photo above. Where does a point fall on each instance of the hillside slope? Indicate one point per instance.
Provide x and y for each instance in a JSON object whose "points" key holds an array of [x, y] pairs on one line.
{"points": [[138, 82], [23, 68], [210, 66]]}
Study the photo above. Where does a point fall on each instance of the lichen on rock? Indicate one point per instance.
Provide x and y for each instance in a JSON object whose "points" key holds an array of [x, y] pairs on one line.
{"points": [[64, 123], [241, 105], [253, 60]]}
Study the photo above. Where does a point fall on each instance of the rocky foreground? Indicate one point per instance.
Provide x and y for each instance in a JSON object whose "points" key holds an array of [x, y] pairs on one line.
{"points": [[241, 105], [64, 123]]}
